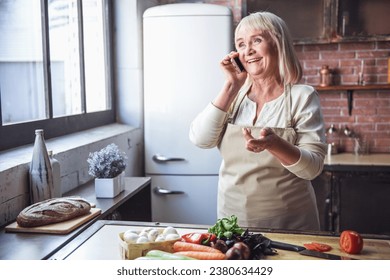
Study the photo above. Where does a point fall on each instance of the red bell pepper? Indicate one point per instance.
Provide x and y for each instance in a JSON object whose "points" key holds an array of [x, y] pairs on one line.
{"points": [[199, 238]]}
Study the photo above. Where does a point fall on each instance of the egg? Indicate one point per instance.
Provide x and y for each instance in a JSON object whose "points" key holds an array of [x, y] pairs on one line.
{"points": [[169, 230], [147, 229], [133, 230], [152, 235], [142, 239], [143, 233], [130, 236], [159, 238], [172, 236]]}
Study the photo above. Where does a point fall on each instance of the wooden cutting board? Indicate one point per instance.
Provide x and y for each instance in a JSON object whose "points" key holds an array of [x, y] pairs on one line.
{"points": [[373, 249], [57, 228]]}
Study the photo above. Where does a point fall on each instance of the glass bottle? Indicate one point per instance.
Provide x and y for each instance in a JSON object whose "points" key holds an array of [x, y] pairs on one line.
{"points": [[40, 173], [56, 169]]}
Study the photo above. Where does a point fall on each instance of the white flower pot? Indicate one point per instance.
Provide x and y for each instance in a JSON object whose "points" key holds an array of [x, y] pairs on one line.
{"points": [[109, 187]]}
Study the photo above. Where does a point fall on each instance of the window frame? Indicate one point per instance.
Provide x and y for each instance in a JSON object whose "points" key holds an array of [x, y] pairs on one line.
{"points": [[18, 134]]}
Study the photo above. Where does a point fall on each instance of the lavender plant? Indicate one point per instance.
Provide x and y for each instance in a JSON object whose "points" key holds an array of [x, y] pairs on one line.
{"points": [[109, 162]]}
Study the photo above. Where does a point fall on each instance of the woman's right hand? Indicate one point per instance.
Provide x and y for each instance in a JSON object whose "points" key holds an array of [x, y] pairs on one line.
{"points": [[233, 83], [233, 75]]}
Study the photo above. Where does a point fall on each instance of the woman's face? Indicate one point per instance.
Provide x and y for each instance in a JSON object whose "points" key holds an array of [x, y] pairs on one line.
{"points": [[257, 52]]}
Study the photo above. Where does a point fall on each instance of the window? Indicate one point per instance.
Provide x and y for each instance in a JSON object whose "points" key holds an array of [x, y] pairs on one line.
{"points": [[55, 69]]}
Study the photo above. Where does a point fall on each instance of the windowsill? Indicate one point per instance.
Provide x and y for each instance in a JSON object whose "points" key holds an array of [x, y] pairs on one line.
{"points": [[22, 155], [72, 152]]}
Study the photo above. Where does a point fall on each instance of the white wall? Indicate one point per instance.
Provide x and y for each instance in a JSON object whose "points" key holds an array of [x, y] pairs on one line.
{"points": [[128, 59]]}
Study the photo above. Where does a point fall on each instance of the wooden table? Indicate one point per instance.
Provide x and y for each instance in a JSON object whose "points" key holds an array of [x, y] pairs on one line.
{"points": [[36, 246], [101, 242]]}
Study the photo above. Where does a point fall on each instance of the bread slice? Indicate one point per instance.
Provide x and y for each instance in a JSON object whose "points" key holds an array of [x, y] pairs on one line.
{"points": [[52, 211]]}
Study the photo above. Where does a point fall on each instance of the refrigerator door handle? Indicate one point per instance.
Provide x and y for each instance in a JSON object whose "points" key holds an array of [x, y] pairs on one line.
{"points": [[161, 191], [163, 159]]}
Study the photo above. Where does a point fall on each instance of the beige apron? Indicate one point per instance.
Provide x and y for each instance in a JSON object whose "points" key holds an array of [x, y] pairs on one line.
{"points": [[257, 188]]}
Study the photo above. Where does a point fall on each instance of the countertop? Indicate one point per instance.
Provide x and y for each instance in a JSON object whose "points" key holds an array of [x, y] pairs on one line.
{"points": [[352, 159], [101, 242], [36, 246], [349, 161]]}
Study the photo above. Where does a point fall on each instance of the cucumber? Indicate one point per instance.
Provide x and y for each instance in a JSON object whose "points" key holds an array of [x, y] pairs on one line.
{"points": [[166, 256], [147, 258]]}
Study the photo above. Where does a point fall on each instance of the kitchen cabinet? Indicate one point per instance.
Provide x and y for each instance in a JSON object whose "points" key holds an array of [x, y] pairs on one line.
{"points": [[354, 196], [325, 21], [361, 201], [309, 21], [363, 18]]}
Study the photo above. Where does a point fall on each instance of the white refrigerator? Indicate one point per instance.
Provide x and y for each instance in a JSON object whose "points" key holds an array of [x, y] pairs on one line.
{"points": [[183, 45]]}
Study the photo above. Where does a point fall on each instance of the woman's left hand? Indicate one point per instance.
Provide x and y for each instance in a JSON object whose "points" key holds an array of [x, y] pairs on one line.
{"points": [[257, 145], [284, 151]]}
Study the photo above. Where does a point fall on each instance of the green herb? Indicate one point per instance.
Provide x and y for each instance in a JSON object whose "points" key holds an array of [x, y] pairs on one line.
{"points": [[226, 227]]}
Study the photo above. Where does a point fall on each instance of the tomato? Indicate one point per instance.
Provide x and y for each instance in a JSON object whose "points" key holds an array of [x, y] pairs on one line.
{"points": [[199, 238], [310, 246], [315, 246], [351, 242]]}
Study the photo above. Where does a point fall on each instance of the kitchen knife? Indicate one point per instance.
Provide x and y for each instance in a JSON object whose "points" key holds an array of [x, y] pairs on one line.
{"points": [[303, 251]]}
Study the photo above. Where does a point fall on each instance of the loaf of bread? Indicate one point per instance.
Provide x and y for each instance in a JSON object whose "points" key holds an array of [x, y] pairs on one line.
{"points": [[52, 211]]}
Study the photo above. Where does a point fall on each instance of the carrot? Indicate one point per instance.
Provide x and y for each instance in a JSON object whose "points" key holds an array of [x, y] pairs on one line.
{"points": [[201, 255], [180, 246]]}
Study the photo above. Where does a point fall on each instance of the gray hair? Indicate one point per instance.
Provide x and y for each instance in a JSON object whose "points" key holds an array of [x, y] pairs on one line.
{"points": [[290, 69]]}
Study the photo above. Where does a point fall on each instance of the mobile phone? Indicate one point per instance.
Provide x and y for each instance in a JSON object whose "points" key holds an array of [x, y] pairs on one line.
{"points": [[237, 63]]}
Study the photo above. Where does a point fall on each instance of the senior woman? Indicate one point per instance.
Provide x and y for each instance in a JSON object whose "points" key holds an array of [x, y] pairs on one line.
{"points": [[268, 128]]}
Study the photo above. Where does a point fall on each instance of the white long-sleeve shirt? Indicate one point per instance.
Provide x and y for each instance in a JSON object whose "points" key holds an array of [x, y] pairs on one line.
{"points": [[206, 129]]}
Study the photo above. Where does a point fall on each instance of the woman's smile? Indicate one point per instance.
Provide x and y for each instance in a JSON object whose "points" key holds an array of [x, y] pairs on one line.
{"points": [[253, 60]]}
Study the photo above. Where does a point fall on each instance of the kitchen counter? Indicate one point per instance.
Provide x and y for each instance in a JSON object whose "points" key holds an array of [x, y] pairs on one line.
{"points": [[349, 161], [352, 159], [101, 242], [36, 246]]}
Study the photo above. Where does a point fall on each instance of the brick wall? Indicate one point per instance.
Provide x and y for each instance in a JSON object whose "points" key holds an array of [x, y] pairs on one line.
{"points": [[346, 61], [370, 118]]}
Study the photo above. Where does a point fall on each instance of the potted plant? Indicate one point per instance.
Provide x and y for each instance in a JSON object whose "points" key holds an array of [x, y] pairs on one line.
{"points": [[107, 166]]}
